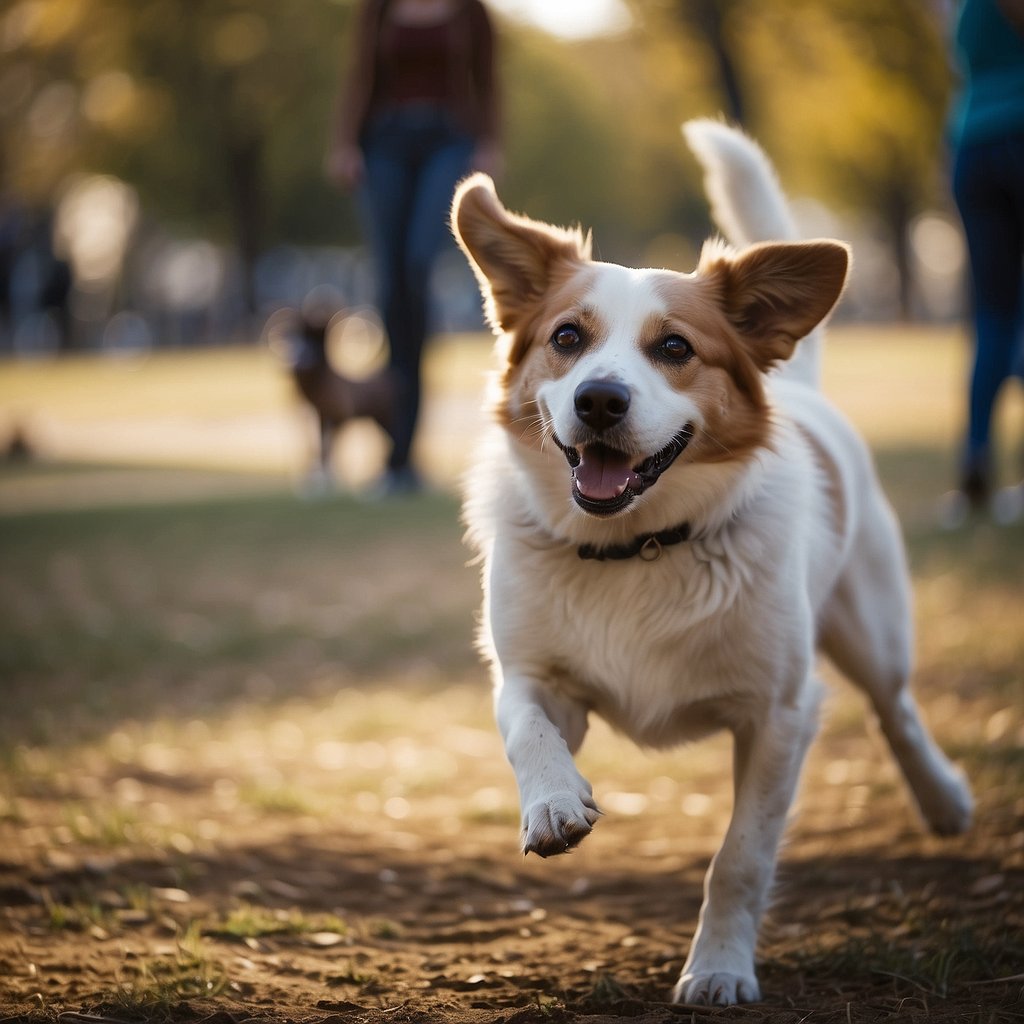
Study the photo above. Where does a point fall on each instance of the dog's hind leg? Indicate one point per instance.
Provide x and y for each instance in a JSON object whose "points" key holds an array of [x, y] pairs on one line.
{"points": [[867, 632]]}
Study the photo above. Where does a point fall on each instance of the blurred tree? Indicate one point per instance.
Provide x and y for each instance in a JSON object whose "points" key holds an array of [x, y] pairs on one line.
{"points": [[217, 111], [710, 19], [593, 136], [849, 97], [883, 66], [214, 109]]}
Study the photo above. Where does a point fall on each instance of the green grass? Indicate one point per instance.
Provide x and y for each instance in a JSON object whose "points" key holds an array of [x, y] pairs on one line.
{"points": [[114, 613], [247, 921], [151, 988], [931, 959], [277, 799], [218, 382]]}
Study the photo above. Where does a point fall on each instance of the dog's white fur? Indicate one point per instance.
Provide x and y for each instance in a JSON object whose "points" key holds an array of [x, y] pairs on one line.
{"points": [[793, 549]]}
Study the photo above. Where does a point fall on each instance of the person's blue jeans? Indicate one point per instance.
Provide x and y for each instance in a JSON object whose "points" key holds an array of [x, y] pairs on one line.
{"points": [[414, 158], [988, 184]]}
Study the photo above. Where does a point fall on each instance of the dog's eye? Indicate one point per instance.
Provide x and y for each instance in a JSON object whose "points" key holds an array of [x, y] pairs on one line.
{"points": [[566, 337], [676, 348]]}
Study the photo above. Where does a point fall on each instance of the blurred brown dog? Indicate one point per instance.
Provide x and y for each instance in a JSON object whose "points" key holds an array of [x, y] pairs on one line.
{"points": [[301, 336]]}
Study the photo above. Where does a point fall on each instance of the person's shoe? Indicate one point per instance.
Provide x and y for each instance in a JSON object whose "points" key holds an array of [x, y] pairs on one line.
{"points": [[1008, 505], [953, 510], [318, 483], [402, 482], [956, 508], [975, 487], [972, 497]]}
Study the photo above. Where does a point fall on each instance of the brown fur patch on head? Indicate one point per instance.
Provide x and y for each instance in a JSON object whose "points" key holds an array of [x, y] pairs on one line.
{"points": [[775, 293], [516, 260], [722, 377], [744, 312], [529, 358]]}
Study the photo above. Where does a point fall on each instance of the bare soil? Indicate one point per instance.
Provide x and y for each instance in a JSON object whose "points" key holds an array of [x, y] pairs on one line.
{"points": [[425, 911]]}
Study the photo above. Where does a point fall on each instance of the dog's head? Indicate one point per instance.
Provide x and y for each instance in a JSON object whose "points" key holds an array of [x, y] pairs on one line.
{"points": [[634, 373]]}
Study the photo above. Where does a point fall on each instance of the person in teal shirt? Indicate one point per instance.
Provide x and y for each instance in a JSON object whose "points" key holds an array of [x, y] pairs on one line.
{"points": [[988, 185]]}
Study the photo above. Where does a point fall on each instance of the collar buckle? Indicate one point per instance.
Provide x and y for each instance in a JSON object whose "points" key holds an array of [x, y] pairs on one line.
{"points": [[651, 549]]}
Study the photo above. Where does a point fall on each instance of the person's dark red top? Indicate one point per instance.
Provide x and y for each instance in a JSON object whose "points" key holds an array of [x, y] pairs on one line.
{"points": [[449, 64]]}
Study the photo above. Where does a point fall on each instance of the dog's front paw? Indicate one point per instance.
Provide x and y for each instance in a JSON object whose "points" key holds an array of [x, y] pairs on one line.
{"points": [[559, 822], [716, 989]]}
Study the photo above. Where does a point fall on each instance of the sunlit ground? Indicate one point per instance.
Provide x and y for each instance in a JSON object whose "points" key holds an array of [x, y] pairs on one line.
{"points": [[236, 409], [234, 716]]}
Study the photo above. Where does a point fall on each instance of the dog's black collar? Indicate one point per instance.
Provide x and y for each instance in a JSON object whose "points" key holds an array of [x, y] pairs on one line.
{"points": [[648, 546]]}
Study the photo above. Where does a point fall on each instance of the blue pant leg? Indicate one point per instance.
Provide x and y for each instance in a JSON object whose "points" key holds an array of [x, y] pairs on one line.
{"points": [[386, 200], [427, 234], [991, 203]]}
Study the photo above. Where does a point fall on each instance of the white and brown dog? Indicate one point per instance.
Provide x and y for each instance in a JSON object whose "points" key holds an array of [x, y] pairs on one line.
{"points": [[673, 520]]}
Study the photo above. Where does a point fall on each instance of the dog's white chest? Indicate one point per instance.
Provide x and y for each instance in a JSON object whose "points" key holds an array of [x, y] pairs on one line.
{"points": [[642, 643]]}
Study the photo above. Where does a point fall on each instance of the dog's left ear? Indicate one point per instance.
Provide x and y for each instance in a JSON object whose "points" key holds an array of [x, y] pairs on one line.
{"points": [[775, 293], [515, 259]]}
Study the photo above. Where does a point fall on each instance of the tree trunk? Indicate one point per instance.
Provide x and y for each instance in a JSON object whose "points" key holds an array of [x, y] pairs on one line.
{"points": [[898, 207], [710, 17], [244, 156]]}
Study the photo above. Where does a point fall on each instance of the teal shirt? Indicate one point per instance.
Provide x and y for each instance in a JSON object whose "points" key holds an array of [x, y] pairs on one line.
{"points": [[991, 54]]}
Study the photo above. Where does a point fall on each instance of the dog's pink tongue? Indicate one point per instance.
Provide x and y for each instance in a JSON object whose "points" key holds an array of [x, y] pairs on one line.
{"points": [[603, 473]]}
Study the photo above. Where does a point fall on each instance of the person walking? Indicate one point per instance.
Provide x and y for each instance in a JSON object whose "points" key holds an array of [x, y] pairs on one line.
{"points": [[988, 186], [420, 109]]}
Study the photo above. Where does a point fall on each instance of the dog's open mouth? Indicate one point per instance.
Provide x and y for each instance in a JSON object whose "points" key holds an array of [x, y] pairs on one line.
{"points": [[605, 480]]}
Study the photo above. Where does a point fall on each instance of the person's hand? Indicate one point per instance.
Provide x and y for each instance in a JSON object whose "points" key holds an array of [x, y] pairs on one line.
{"points": [[345, 167], [1013, 12], [487, 157]]}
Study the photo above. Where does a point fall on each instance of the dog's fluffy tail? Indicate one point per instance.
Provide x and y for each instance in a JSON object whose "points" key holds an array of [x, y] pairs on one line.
{"points": [[748, 204], [747, 201]]}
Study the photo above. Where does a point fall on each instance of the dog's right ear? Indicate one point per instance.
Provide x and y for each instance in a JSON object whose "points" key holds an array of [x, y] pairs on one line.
{"points": [[515, 259]]}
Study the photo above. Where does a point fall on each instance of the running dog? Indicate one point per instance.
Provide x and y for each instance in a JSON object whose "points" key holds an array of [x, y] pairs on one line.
{"points": [[673, 520]]}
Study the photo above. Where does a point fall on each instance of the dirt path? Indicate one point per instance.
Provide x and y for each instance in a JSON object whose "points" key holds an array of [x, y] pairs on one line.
{"points": [[423, 910]]}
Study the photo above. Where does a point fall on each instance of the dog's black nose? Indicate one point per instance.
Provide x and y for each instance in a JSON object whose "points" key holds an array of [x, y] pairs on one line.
{"points": [[601, 403]]}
